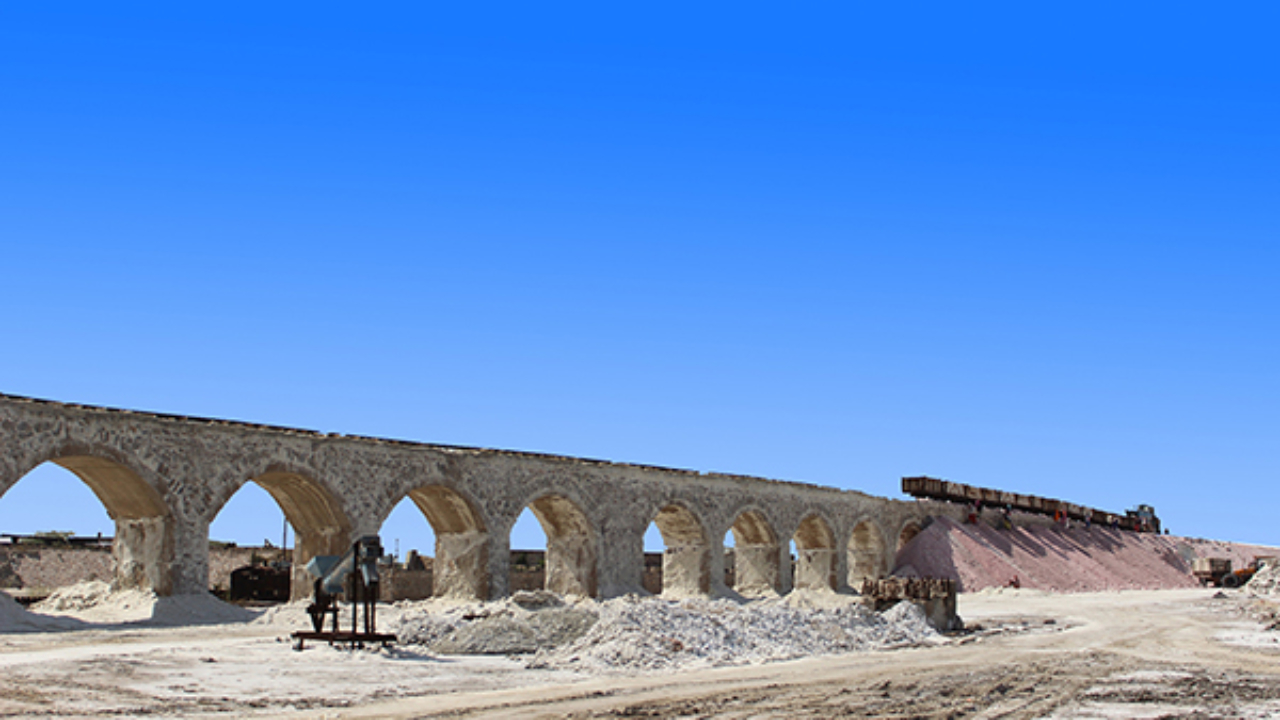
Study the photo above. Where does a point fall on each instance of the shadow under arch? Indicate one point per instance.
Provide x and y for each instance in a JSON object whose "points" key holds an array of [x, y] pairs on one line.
{"points": [[815, 554], [755, 554], [461, 565], [320, 524], [142, 548], [907, 534], [867, 559], [571, 546], [686, 560]]}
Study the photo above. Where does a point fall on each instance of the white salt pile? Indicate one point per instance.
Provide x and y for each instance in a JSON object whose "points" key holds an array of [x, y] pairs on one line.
{"points": [[95, 602], [648, 634], [1266, 581], [426, 628], [291, 614], [197, 609], [815, 599], [633, 634], [524, 623], [15, 618]]}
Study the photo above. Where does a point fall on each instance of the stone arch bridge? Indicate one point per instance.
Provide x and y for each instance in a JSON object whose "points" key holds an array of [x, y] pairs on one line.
{"points": [[163, 479]]}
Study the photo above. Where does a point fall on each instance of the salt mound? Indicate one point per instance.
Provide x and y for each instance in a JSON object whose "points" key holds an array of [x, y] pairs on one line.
{"points": [[15, 618], [640, 634], [197, 609], [814, 599], [652, 634], [289, 614], [71, 598], [523, 623], [95, 602], [1266, 581], [425, 628], [534, 599]]}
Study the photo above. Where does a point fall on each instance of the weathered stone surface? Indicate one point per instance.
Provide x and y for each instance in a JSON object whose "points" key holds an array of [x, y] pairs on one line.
{"points": [[164, 478], [43, 569]]}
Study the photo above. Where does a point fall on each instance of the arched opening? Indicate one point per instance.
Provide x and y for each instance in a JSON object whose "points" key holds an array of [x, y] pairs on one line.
{"points": [[909, 533], [460, 566], [686, 556], [528, 543], [137, 527], [654, 546], [867, 559], [319, 523], [411, 541], [754, 570], [815, 544], [569, 562], [251, 531], [408, 538]]}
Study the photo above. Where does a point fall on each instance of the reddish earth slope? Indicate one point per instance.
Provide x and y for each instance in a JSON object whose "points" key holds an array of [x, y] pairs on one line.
{"points": [[1050, 558]]}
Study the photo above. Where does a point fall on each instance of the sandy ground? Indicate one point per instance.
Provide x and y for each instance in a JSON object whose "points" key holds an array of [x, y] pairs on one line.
{"points": [[1131, 654]]}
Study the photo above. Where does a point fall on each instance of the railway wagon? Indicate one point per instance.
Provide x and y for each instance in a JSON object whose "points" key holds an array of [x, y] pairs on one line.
{"points": [[1141, 520]]}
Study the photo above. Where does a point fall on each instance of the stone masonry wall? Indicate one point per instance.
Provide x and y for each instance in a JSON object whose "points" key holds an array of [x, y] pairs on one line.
{"points": [[165, 478]]}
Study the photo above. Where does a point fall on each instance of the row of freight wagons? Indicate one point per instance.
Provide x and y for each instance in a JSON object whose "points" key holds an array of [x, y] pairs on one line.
{"points": [[933, 488]]}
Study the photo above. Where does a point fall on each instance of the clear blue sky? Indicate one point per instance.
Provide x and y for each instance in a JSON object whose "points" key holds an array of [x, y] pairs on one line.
{"points": [[1023, 246]]}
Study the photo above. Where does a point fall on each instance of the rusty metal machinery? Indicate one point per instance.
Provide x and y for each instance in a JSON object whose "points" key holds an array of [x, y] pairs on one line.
{"points": [[354, 575], [260, 583]]}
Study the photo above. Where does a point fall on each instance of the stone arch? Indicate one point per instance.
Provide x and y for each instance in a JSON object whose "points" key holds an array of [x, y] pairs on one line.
{"points": [[686, 560], [815, 554], [461, 565], [755, 554], [867, 558], [320, 523], [908, 533], [571, 545], [142, 549]]}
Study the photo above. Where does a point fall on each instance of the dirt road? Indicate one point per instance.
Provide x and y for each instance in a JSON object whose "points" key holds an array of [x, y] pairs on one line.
{"points": [[1108, 655], [1148, 654]]}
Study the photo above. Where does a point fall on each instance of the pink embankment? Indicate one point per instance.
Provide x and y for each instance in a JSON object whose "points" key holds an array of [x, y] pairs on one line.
{"points": [[1079, 559]]}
